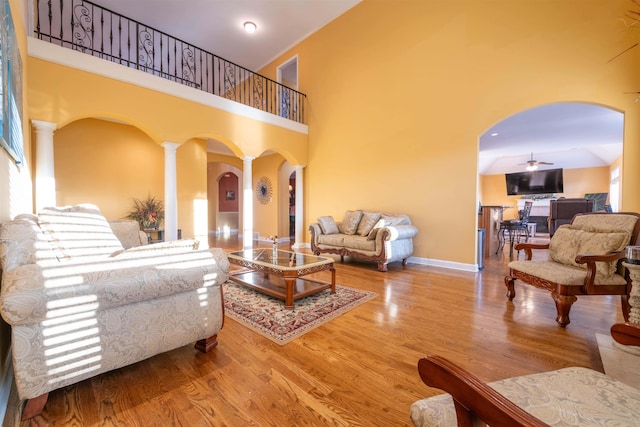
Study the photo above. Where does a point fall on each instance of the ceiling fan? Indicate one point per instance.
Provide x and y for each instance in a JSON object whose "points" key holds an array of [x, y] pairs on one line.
{"points": [[533, 164]]}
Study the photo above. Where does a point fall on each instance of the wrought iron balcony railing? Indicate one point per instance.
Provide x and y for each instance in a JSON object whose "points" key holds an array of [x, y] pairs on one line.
{"points": [[97, 31]]}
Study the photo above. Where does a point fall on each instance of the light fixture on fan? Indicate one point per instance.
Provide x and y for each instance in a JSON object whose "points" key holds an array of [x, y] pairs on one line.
{"points": [[532, 164]]}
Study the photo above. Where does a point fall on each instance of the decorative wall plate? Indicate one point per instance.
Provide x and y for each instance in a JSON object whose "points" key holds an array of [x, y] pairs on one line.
{"points": [[263, 190]]}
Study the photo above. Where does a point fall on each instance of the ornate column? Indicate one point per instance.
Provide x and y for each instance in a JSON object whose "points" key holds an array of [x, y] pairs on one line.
{"points": [[634, 298], [170, 192], [634, 302], [45, 176], [299, 220], [247, 202]]}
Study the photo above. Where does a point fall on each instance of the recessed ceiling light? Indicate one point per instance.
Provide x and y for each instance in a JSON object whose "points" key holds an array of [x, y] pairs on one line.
{"points": [[495, 134], [250, 27]]}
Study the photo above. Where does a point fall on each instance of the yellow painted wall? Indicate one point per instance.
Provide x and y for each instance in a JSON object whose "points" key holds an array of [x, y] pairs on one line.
{"points": [[265, 216], [618, 164], [61, 95], [191, 177], [399, 93], [108, 164], [577, 182]]}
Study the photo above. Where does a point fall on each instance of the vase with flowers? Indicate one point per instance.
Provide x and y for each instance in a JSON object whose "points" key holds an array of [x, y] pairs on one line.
{"points": [[274, 241], [148, 212]]}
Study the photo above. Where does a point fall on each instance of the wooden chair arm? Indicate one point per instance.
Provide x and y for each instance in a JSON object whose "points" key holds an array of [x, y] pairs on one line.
{"points": [[528, 248], [472, 398], [591, 260], [626, 333]]}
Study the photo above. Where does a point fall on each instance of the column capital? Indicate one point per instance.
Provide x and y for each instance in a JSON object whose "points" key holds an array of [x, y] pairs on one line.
{"points": [[170, 146], [44, 126]]}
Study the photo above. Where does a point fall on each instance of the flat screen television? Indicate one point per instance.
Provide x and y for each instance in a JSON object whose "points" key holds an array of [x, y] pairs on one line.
{"points": [[535, 182]]}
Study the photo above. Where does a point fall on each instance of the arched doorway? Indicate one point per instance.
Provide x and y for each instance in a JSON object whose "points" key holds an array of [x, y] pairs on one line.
{"points": [[292, 206], [227, 220], [585, 140]]}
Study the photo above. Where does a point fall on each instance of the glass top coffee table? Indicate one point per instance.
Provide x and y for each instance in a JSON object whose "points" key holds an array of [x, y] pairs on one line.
{"points": [[279, 274]]}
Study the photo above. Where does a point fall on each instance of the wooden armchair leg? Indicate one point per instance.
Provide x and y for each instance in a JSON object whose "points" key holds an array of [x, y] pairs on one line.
{"points": [[511, 290], [207, 344], [563, 306], [34, 406]]}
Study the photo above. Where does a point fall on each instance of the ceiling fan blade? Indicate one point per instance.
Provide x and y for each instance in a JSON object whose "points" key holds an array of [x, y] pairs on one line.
{"points": [[544, 163]]}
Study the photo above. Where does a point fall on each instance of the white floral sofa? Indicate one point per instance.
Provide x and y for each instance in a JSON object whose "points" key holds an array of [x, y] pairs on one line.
{"points": [[371, 236], [81, 303]]}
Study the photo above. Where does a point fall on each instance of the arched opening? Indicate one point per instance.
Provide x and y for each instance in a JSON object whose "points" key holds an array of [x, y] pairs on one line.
{"points": [[292, 206], [228, 204], [584, 140]]}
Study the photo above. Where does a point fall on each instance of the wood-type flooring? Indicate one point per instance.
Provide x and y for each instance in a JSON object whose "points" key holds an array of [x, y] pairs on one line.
{"points": [[356, 370]]}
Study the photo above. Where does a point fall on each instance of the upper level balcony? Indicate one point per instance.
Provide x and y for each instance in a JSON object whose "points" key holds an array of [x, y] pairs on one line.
{"points": [[91, 29]]}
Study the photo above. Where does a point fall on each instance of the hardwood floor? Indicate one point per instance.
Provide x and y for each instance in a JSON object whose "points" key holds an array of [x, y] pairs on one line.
{"points": [[356, 370]]}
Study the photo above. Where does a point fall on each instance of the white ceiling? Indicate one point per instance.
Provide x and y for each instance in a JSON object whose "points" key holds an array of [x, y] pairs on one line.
{"points": [[569, 135], [216, 25]]}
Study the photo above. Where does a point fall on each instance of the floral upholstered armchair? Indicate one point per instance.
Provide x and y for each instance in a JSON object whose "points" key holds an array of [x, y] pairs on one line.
{"points": [[571, 396], [585, 258]]}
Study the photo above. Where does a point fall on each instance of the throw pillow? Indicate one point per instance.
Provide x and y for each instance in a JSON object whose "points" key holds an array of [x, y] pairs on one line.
{"points": [[79, 231], [367, 222], [594, 243], [328, 225], [374, 231], [350, 221], [563, 246]]}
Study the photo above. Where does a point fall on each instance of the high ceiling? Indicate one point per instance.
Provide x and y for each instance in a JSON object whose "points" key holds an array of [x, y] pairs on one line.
{"points": [[569, 135], [216, 25]]}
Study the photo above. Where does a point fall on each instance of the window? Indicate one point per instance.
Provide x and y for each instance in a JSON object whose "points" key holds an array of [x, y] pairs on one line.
{"points": [[614, 190], [11, 138]]}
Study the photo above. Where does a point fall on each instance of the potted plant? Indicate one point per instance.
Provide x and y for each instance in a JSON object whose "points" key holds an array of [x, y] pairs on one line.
{"points": [[148, 212]]}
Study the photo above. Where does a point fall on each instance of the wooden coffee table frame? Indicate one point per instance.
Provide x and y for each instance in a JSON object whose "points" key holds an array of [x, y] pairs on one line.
{"points": [[263, 276]]}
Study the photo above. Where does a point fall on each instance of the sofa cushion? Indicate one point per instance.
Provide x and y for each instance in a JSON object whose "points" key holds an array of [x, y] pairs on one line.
{"points": [[349, 224], [605, 223], [79, 231], [563, 246], [569, 242], [359, 243], [368, 220], [396, 219], [22, 242], [374, 231], [127, 231], [569, 275], [158, 249], [33, 293], [331, 239], [328, 225]]}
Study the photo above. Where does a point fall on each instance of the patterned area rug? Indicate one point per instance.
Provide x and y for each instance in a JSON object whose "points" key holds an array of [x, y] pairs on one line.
{"points": [[267, 315]]}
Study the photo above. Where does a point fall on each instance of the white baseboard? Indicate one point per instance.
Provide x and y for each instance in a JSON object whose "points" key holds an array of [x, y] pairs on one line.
{"points": [[444, 264]]}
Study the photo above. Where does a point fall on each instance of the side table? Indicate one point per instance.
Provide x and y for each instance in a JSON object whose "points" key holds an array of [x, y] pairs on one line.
{"points": [[634, 296], [634, 304]]}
